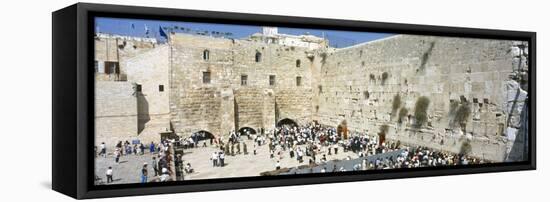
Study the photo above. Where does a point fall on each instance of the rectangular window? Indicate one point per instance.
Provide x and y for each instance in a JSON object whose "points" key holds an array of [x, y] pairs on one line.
{"points": [[112, 67], [298, 81], [271, 80], [206, 77], [161, 88], [244, 80], [138, 88]]}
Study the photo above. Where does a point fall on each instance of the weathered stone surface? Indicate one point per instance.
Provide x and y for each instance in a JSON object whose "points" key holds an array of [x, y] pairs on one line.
{"points": [[254, 84]]}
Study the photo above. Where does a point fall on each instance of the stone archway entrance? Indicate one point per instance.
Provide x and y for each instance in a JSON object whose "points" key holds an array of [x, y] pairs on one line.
{"points": [[342, 130], [202, 135], [244, 130], [287, 121]]}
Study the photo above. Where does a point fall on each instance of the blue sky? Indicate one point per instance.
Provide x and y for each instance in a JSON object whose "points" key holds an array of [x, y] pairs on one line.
{"points": [[138, 27]]}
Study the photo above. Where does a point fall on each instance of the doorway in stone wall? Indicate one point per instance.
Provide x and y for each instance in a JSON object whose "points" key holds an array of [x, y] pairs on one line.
{"points": [[342, 130], [247, 130], [287, 122]]}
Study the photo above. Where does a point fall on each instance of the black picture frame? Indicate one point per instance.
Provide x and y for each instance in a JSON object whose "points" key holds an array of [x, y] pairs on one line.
{"points": [[73, 91]]}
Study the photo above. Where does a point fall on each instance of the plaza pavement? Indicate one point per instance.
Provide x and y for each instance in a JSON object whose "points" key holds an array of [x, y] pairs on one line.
{"points": [[240, 165]]}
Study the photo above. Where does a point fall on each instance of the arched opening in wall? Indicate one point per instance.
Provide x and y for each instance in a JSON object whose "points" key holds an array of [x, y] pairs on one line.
{"points": [[247, 131], [342, 129], [202, 135], [287, 122], [298, 63], [258, 57]]}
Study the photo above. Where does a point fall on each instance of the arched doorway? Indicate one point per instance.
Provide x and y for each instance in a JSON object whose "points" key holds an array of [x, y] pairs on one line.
{"points": [[202, 135], [287, 122], [342, 130], [244, 130]]}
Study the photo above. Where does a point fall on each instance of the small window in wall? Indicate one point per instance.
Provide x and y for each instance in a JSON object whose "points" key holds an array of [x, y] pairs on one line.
{"points": [[206, 77], [206, 55], [298, 63], [258, 57], [161, 88], [112, 67], [96, 66], [244, 80], [271, 80], [138, 88], [298, 81]]}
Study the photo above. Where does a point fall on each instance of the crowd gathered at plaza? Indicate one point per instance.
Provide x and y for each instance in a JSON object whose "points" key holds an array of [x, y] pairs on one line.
{"points": [[310, 144]]}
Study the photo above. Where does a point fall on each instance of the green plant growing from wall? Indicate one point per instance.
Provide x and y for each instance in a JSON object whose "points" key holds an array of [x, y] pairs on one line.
{"points": [[372, 77], [465, 148], [385, 76], [461, 115], [421, 111], [396, 103], [324, 56], [453, 107], [402, 113]]}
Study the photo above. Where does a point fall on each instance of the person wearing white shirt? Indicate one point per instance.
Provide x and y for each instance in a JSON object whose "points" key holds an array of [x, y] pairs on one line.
{"points": [[109, 174]]}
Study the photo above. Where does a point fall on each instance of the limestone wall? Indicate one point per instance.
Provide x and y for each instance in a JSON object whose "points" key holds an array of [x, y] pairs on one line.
{"points": [[150, 70], [359, 84], [115, 112], [243, 104], [118, 49], [476, 88]]}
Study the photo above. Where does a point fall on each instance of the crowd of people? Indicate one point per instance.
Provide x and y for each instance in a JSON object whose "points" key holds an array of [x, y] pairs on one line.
{"points": [[315, 140], [312, 143], [161, 153]]}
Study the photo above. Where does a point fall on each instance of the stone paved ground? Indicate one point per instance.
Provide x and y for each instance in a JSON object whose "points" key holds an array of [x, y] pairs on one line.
{"points": [[128, 171]]}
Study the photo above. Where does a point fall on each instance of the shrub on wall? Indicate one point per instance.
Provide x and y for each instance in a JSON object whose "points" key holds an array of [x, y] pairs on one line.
{"points": [[396, 103], [421, 110], [385, 76], [465, 148], [372, 77], [402, 113], [459, 113], [323, 57], [462, 114]]}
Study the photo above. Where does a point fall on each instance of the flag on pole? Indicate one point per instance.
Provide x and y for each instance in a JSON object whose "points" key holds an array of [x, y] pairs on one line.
{"points": [[162, 33]]}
